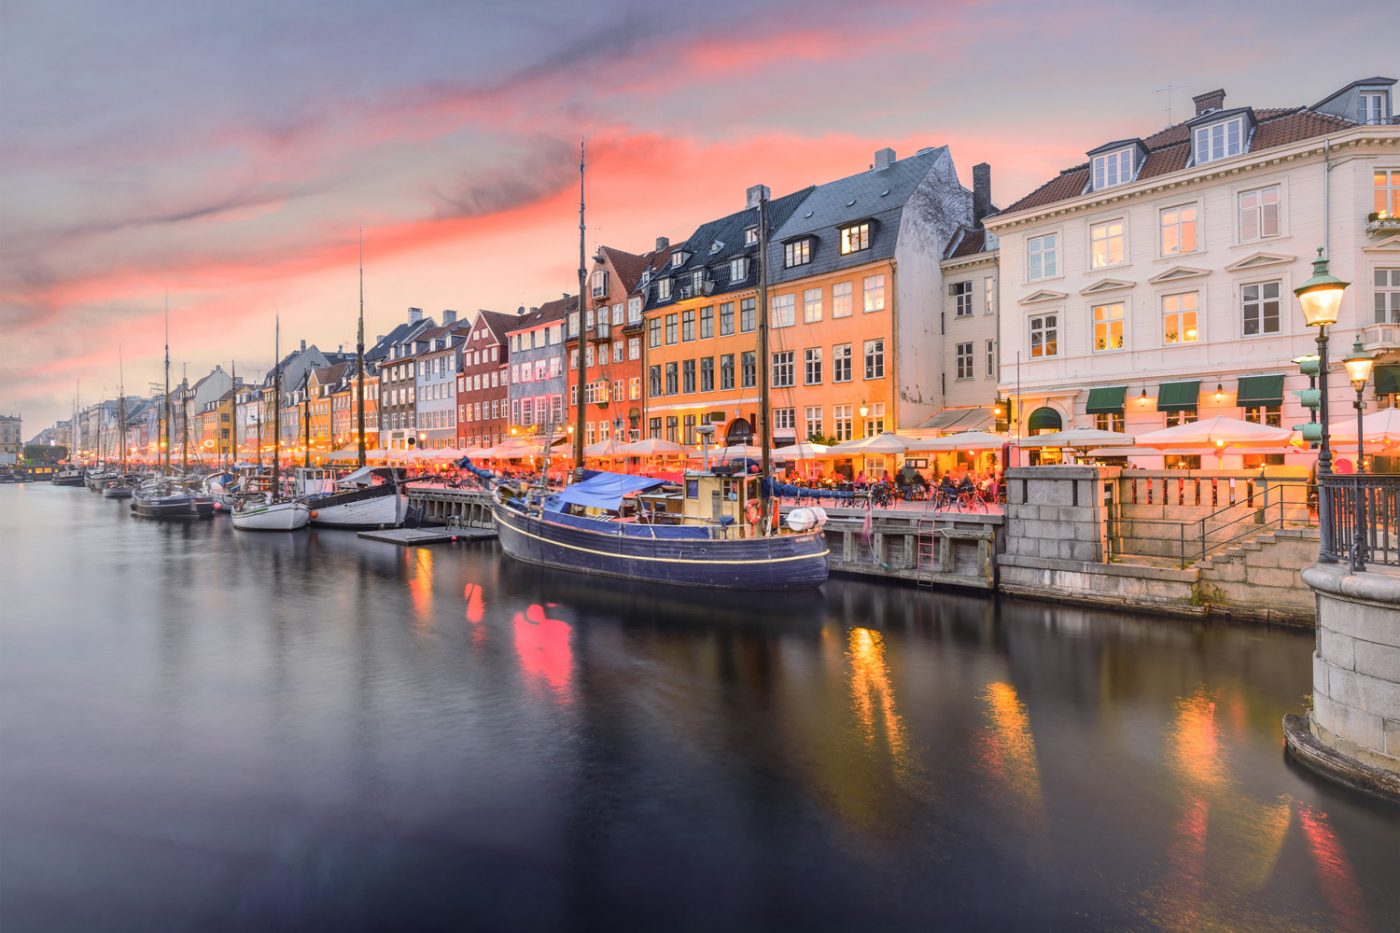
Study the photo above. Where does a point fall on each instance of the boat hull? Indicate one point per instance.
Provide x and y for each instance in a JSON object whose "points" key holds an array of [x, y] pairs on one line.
{"points": [[118, 492], [374, 507], [165, 508], [72, 479], [276, 516], [780, 562]]}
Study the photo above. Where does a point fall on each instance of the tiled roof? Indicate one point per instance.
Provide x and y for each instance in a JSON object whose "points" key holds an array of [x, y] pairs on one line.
{"points": [[968, 241], [628, 266], [329, 375], [498, 322], [1169, 150], [547, 313]]}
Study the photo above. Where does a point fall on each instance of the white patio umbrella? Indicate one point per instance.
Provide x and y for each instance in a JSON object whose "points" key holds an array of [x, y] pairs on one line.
{"points": [[802, 451], [375, 453], [1216, 434], [886, 443], [607, 448], [1080, 438], [1381, 428], [511, 450], [736, 452], [475, 453], [652, 447], [964, 440]]}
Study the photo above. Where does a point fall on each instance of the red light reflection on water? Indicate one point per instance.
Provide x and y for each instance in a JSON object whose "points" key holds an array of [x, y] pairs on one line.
{"points": [[420, 583], [1334, 872], [475, 609], [543, 645]]}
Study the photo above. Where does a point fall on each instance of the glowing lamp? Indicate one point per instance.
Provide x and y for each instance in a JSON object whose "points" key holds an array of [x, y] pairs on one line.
{"points": [[1359, 365], [1219, 392], [1321, 295], [1142, 398], [864, 409]]}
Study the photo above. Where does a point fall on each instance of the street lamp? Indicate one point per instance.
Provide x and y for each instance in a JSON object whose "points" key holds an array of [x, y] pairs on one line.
{"points": [[1359, 365], [1321, 299], [706, 431]]}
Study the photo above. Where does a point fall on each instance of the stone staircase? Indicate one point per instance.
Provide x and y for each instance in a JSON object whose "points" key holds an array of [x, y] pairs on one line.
{"points": [[1261, 576]]}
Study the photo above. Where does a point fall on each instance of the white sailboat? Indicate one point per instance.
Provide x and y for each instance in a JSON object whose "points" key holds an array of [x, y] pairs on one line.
{"points": [[266, 510]]}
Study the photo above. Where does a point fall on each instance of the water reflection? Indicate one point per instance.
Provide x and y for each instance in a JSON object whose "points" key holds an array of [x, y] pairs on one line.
{"points": [[1008, 747], [1334, 872], [419, 561], [872, 696], [545, 654]]}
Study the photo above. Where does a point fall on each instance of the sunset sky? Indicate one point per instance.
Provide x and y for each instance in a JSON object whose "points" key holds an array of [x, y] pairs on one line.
{"points": [[229, 152]]}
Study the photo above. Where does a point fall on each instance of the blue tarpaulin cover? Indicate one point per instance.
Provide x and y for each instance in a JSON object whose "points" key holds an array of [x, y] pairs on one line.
{"points": [[603, 490]]}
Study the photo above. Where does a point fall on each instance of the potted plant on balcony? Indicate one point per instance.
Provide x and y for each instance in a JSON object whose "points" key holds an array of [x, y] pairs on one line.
{"points": [[1378, 222]]}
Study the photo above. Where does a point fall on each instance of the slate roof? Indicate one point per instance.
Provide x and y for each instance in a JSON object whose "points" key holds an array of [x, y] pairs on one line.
{"points": [[401, 333], [547, 313], [728, 233], [877, 195], [498, 322], [1169, 150]]}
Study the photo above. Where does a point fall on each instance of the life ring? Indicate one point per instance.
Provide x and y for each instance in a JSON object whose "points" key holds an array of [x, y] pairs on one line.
{"points": [[754, 512]]}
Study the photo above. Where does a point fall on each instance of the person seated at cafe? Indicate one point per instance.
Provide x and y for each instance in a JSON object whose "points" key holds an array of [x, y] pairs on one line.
{"points": [[947, 486], [967, 485]]}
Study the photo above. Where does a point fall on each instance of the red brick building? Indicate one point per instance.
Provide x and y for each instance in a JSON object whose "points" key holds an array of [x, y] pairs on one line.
{"points": [[483, 384], [612, 346]]}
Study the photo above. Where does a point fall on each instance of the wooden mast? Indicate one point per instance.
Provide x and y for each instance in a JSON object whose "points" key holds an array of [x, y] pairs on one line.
{"points": [[583, 336], [276, 406], [233, 444], [121, 407], [766, 463], [166, 443], [360, 354], [306, 419], [185, 418]]}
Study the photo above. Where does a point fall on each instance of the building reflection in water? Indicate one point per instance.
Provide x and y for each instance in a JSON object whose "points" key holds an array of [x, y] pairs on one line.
{"points": [[872, 696], [545, 654], [1008, 747], [1334, 873], [420, 585]]}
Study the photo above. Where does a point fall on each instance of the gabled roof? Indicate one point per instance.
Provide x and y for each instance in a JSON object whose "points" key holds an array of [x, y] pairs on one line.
{"points": [[498, 322], [547, 313], [628, 266], [1169, 150], [400, 334], [1364, 82], [967, 241], [329, 375]]}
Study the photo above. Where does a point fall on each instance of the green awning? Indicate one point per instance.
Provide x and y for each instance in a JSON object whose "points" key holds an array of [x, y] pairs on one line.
{"points": [[1178, 396], [1387, 380], [1044, 419], [1260, 390], [1106, 400]]}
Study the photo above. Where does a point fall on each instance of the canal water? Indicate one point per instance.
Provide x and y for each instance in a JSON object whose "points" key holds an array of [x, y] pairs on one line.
{"points": [[203, 729]]}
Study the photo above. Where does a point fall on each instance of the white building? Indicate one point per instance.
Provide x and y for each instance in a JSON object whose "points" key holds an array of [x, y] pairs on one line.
{"points": [[1153, 284]]}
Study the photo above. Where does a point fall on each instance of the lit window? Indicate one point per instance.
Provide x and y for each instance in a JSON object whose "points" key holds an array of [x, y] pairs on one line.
{"points": [[738, 270], [1113, 168], [663, 289], [1259, 213], [1108, 326], [1106, 244], [1386, 198], [1109, 421], [874, 293], [1045, 331], [841, 297], [1272, 415], [855, 238], [1218, 140], [1178, 229], [751, 236], [1179, 318], [1041, 253]]}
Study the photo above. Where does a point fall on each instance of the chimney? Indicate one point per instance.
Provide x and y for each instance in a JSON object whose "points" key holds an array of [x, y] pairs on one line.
{"points": [[415, 315], [449, 317], [884, 158], [662, 242], [981, 192], [755, 194], [379, 339], [520, 311], [1210, 100], [303, 346]]}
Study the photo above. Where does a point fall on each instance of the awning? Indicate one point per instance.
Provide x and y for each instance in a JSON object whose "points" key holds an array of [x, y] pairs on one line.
{"points": [[1044, 419], [958, 419], [1178, 396], [1105, 400], [1260, 390], [604, 490], [1387, 380]]}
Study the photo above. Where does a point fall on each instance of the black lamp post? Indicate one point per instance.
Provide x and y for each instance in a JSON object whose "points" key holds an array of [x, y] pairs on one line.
{"points": [[1359, 365], [1321, 298]]}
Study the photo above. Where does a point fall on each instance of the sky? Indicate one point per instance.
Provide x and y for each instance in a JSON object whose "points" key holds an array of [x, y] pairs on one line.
{"points": [[225, 157]]}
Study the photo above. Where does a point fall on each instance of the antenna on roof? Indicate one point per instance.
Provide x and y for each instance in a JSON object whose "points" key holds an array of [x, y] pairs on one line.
{"points": [[1168, 91]]}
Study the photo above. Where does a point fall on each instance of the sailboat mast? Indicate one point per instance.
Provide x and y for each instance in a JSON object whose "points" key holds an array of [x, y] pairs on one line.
{"points": [[184, 417], [233, 444], [276, 404], [580, 399], [763, 372], [165, 444], [360, 359], [121, 407], [306, 419]]}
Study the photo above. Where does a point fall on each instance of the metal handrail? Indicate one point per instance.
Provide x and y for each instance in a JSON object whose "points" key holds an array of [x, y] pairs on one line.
{"points": [[1364, 519], [1257, 516]]}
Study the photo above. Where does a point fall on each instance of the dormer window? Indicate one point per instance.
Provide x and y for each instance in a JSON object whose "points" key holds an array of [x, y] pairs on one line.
{"points": [[600, 283], [697, 279], [797, 253], [678, 258], [1218, 140], [716, 246], [738, 269], [663, 288], [1373, 108], [1113, 168], [751, 236], [855, 238]]}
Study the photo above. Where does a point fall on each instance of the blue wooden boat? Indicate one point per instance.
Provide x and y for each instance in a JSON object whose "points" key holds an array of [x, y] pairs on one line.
{"points": [[705, 532]]}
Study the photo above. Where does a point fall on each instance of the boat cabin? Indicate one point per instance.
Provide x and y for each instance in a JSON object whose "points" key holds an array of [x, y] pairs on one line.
{"points": [[314, 481], [701, 498]]}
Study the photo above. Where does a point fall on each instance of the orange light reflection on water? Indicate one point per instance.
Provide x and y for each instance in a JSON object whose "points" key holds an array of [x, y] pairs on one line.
{"points": [[872, 695], [1008, 748], [545, 654], [1196, 741], [1334, 872], [420, 584]]}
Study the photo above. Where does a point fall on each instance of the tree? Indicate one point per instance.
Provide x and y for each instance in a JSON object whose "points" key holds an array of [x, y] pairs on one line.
{"points": [[44, 453]]}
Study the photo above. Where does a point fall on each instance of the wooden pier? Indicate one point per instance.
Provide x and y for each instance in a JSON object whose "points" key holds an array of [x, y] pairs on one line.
{"points": [[413, 537]]}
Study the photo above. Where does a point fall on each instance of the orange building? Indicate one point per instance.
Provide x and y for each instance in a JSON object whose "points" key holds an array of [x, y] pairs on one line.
{"points": [[321, 383], [345, 413]]}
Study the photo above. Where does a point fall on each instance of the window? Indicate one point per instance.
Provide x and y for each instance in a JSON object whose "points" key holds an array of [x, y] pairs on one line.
{"points": [[707, 374], [1183, 416], [1386, 199], [1108, 326], [1109, 421], [841, 363], [751, 236], [1106, 244], [1113, 168], [842, 422], [748, 365], [1179, 318], [961, 293], [989, 295], [785, 420], [634, 348], [634, 310], [634, 388], [688, 376], [654, 332], [812, 366], [1259, 213], [797, 253], [1040, 256], [670, 329], [726, 371], [671, 424], [991, 359], [707, 322], [874, 293], [1387, 296], [600, 283], [1045, 335], [812, 420], [738, 270], [663, 289], [748, 317], [783, 375], [678, 258], [1218, 140], [688, 426], [672, 380], [687, 325], [783, 311], [855, 238], [875, 424], [1178, 230], [964, 360], [726, 319], [1260, 305], [1372, 109], [811, 305], [1272, 415], [875, 359], [841, 296], [654, 428]]}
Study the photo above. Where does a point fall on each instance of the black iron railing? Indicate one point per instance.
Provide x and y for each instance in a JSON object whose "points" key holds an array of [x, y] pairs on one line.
{"points": [[1365, 519]]}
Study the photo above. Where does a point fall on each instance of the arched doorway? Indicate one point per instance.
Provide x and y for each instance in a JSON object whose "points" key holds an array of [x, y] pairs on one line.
{"points": [[739, 432]]}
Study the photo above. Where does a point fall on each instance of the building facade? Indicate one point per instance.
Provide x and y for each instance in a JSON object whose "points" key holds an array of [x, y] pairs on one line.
{"points": [[436, 382], [971, 358], [398, 383], [536, 368], [1152, 285], [11, 438], [483, 381]]}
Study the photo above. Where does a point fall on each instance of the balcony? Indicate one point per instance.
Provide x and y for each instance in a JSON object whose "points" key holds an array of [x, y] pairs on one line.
{"points": [[1381, 336], [602, 331], [1381, 225]]}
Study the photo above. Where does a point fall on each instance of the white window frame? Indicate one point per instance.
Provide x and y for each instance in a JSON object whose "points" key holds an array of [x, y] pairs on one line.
{"points": [[782, 311], [842, 293], [1113, 168], [1372, 115], [1102, 231], [1220, 139], [1279, 298], [873, 295], [1259, 211], [1385, 284], [1038, 248], [1179, 225], [1389, 192], [1182, 340], [811, 305], [964, 357], [1049, 322]]}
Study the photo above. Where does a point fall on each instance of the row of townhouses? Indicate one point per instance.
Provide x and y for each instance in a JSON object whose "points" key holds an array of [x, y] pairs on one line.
{"points": [[1147, 286]]}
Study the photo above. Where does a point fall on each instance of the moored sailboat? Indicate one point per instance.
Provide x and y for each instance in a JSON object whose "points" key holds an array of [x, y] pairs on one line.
{"points": [[266, 509]]}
